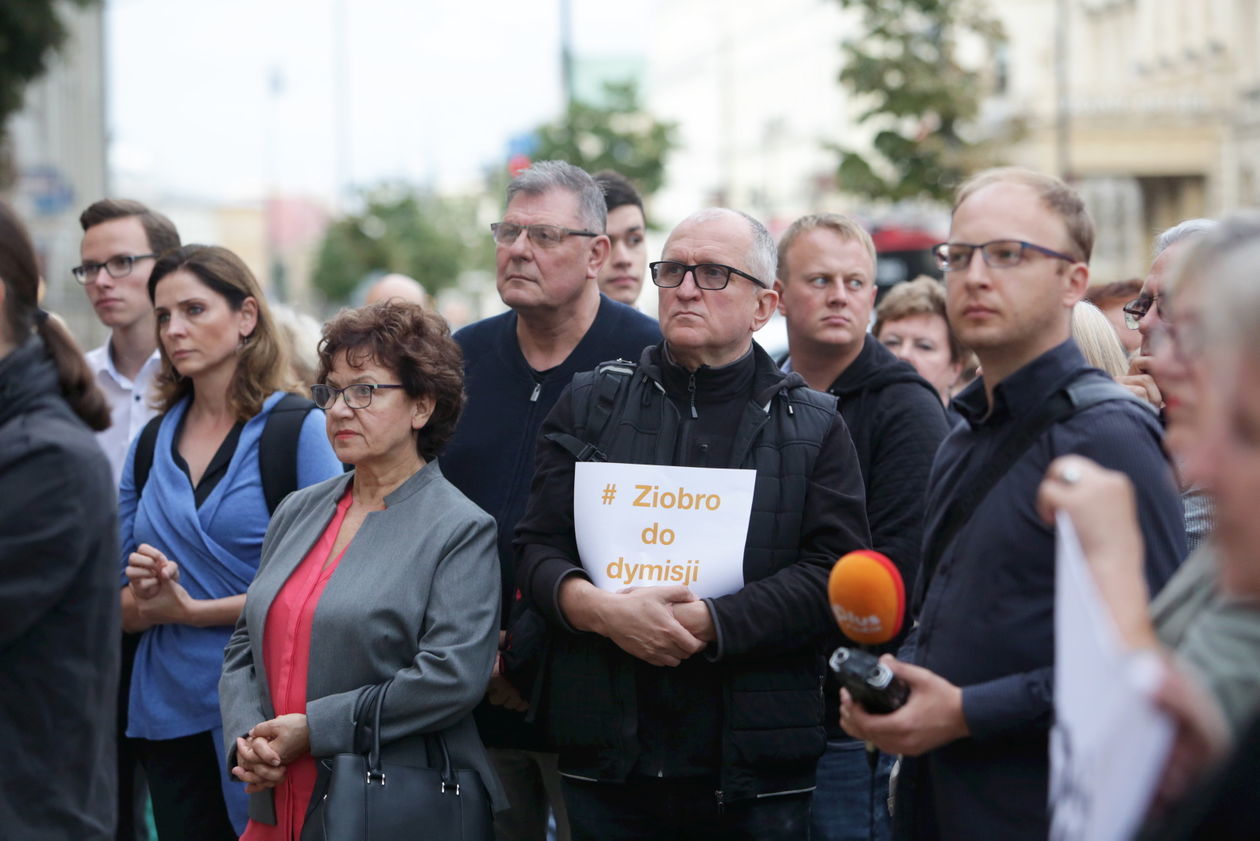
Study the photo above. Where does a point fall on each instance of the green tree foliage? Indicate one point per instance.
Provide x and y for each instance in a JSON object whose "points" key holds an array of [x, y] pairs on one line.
{"points": [[617, 135], [30, 32], [921, 98], [402, 230]]}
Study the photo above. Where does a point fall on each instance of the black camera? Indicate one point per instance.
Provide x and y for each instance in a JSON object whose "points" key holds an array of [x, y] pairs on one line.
{"points": [[870, 682]]}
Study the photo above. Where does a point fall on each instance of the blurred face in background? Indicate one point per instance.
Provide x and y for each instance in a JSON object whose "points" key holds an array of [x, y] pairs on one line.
{"points": [[621, 277], [923, 341], [1226, 460]]}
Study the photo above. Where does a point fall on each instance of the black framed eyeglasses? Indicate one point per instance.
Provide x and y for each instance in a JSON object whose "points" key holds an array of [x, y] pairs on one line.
{"points": [[543, 236], [997, 254], [667, 274], [357, 396], [1136, 310], [118, 266]]}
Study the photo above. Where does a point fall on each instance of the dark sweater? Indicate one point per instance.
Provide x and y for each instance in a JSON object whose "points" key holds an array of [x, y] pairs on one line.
{"points": [[491, 457], [897, 423]]}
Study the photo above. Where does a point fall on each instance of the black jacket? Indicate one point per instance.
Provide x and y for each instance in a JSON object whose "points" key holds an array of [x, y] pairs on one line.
{"points": [[760, 684], [491, 456], [897, 422], [59, 614]]}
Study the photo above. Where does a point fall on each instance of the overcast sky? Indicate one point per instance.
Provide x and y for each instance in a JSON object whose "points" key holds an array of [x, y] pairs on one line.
{"points": [[222, 99]]}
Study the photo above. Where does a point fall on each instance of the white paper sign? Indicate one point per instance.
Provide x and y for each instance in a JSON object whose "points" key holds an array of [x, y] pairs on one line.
{"points": [[643, 525], [1109, 741]]}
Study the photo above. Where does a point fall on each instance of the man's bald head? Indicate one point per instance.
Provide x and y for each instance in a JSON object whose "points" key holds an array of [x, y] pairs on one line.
{"points": [[397, 287]]}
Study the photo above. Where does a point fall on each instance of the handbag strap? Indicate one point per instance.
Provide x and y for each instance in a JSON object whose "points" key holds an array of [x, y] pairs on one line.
{"points": [[375, 768]]}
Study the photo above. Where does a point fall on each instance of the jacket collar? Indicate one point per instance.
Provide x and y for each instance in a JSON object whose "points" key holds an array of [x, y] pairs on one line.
{"points": [[1022, 391]]}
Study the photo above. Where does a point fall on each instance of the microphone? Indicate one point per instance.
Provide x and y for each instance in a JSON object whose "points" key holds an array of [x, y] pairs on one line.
{"points": [[868, 597]]}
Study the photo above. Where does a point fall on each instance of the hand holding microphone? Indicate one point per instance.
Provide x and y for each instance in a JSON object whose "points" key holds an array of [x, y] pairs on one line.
{"points": [[868, 599], [899, 707]]}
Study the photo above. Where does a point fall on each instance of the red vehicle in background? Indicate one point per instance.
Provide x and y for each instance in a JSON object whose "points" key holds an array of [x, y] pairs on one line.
{"points": [[903, 254]]}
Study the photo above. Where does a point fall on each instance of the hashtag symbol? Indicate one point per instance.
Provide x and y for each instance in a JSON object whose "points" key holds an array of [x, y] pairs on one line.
{"points": [[610, 493]]}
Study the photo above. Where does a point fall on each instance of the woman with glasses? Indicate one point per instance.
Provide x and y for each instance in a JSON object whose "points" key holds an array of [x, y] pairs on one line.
{"points": [[58, 570], [193, 513], [387, 574]]}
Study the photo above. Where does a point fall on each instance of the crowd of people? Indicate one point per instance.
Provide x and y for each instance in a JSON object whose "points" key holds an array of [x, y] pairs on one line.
{"points": [[274, 531]]}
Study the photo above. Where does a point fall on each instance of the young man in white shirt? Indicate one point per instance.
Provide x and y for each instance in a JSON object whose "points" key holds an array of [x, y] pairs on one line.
{"points": [[121, 241]]}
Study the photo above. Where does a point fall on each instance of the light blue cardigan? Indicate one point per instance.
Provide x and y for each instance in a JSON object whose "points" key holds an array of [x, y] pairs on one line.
{"points": [[174, 686]]}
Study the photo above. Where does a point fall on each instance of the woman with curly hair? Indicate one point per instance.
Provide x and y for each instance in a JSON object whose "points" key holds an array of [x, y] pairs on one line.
{"points": [[386, 577]]}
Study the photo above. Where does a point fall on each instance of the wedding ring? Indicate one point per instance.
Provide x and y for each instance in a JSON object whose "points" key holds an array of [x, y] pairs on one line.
{"points": [[1070, 475]]}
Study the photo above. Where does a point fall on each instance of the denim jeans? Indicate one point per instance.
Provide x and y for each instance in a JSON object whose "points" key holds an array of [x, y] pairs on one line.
{"points": [[850, 803]]}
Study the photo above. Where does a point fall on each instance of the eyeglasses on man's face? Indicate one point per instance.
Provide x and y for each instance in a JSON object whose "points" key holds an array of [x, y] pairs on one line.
{"points": [[997, 254], [116, 267], [667, 274], [1136, 310], [357, 396], [543, 236]]}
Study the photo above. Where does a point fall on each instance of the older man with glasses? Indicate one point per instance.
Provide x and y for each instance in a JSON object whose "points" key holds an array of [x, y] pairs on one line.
{"points": [[679, 717], [980, 660], [549, 247], [1147, 314]]}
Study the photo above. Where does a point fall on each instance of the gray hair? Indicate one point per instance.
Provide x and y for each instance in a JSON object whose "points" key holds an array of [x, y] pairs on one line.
{"points": [[545, 176], [1226, 257], [762, 253], [1180, 231]]}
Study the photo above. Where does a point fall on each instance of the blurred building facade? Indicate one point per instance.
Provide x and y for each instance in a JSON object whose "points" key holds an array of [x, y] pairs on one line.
{"points": [[754, 90], [58, 147], [1151, 106]]}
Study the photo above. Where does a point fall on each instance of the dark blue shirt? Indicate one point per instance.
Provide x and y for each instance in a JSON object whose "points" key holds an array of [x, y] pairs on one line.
{"points": [[987, 621]]}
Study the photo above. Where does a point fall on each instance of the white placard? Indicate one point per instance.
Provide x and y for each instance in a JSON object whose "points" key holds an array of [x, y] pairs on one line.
{"points": [[1109, 741], [644, 525]]}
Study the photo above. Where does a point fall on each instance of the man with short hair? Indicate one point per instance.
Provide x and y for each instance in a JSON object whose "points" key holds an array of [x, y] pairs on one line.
{"points": [[1144, 314], [981, 684], [121, 241], [621, 278], [676, 717], [826, 286], [549, 249]]}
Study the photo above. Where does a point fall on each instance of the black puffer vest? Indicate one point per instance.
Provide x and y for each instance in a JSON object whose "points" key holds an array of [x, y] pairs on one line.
{"points": [[771, 706]]}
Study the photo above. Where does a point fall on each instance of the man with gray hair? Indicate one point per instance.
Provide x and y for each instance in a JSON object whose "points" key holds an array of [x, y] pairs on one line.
{"points": [[549, 249], [676, 716], [1145, 313]]}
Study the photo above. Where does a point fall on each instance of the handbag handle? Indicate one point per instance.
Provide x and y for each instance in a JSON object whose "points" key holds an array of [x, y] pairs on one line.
{"points": [[375, 771]]}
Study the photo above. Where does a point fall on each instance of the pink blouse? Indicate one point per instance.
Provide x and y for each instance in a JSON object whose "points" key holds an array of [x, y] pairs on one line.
{"points": [[287, 654]]}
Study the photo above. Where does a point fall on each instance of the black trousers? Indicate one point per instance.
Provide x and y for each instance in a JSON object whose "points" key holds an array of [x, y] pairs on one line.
{"points": [[183, 779], [679, 810], [133, 794]]}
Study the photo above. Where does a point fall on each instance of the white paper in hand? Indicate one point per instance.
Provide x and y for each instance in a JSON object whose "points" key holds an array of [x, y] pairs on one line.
{"points": [[1109, 741], [645, 525]]}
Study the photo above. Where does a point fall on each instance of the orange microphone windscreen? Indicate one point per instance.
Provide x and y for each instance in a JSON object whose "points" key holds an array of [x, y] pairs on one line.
{"points": [[867, 597]]}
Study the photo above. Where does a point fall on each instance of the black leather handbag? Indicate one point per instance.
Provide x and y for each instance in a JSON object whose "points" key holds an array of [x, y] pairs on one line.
{"points": [[373, 798]]}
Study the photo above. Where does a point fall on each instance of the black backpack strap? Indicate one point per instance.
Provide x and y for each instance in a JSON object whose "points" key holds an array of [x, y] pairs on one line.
{"points": [[143, 461], [278, 448], [610, 379], [1080, 394]]}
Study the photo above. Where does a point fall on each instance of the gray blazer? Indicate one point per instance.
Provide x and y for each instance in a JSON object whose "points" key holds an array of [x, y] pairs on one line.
{"points": [[415, 598]]}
